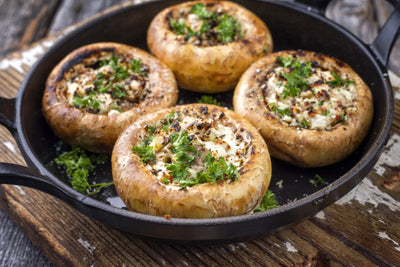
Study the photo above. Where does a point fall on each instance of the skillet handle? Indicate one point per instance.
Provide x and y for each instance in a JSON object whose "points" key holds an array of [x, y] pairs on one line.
{"points": [[20, 175], [383, 44], [7, 113]]}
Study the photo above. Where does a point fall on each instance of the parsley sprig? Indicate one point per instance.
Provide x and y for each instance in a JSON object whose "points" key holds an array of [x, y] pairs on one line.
{"points": [[338, 81], [145, 151], [79, 164], [224, 26], [317, 180], [274, 108], [110, 84], [296, 76], [207, 99], [268, 202], [184, 154]]}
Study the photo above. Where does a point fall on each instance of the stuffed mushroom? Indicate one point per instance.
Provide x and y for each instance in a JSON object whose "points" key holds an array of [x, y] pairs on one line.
{"points": [[312, 110], [191, 161], [98, 89], [208, 44]]}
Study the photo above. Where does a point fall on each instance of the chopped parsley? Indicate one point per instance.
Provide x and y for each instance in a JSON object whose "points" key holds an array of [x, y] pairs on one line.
{"points": [[217, 170], [224, 28], [325, 112], [227, 28], [135, 66], [180, 28], [296, 76], [274, 108], [342, 119], [268, 202], [305, 124], [184, 153], [90, 102], [317, 181], [145, 151], [113, 84], [118, 92], [338, 81], [200, 11], [79, 164], [168, 121], [206, 99]]}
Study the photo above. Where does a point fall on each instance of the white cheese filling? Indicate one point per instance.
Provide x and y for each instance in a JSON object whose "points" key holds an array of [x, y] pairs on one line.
{"points": [[320, 108], [83, 84], [208, 137]]}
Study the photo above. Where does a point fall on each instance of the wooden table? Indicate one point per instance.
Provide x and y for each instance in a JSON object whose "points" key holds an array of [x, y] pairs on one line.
{"points": [[361, 229]]}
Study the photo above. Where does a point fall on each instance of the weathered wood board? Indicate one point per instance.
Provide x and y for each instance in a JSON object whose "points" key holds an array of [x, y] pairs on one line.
{"points": [[362, 228]]}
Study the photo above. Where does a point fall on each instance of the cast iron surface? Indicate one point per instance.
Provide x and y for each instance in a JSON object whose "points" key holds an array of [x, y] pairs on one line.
{"points": [[292, 27]]}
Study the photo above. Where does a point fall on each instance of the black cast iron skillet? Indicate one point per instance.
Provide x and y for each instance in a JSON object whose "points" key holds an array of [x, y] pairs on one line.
{"points": [[293, 26]]}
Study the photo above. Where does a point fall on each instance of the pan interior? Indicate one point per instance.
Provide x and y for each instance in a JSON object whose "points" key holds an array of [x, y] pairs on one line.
{"points": [[290, 29]]}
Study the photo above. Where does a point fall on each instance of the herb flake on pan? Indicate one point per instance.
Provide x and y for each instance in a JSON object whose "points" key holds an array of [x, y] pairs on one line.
{"points": [[317, 181], [207, 99], [79, 164], [268, 202]]}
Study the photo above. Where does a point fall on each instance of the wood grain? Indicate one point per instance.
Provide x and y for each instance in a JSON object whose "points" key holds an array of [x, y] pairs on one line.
{"points": [[361, 229]]}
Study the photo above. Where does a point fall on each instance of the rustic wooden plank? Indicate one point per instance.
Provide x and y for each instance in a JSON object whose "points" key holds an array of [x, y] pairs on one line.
{"points": [[69, 238]]}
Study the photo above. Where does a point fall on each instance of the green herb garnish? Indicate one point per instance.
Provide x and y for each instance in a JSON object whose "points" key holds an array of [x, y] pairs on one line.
{"points": [[181, 147], [168, 121], [274, 108], [317, 181], [217, 170], [111, 84], [338, 81], [78, 165], [305, 124], [296, 76], [200, 11], [227, 28], [120, 72], [117, 108], [135, 66], [268, 202], [206, 99], [184, 153], [326, 112], [89, 101], [118, 92], [342, 119], [145, 151], [224, 26]]}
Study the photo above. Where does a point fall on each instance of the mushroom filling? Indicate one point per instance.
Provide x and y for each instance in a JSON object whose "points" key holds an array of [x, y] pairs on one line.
{"points": [[204, 25], [106, 84], [304, 95], [185, 150]]}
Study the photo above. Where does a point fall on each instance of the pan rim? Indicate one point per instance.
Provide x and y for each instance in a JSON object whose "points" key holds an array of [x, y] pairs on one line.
{"points": [[361, 169]]}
